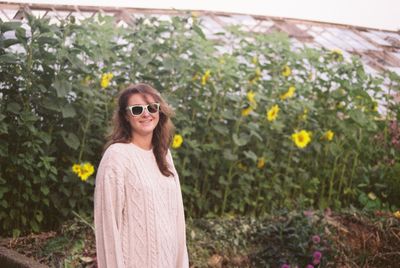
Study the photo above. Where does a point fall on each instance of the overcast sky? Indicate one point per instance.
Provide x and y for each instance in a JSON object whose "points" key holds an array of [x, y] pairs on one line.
{"points": [[381, 14]]}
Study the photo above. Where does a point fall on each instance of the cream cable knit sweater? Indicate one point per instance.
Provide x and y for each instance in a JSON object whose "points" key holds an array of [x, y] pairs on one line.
{"points": [[138, 213]]}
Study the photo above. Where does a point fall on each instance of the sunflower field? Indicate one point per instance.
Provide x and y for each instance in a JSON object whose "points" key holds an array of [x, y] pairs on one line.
{"points": [[260, 125]]}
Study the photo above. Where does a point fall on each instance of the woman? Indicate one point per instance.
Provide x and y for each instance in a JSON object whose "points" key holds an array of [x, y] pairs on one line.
{"points": [[138, 208]]}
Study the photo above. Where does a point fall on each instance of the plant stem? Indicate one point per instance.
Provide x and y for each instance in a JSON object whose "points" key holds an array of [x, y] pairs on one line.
{"points": [[341, 180], [322, 193], [83, 220], [87, 125], [230, 175], [331, 179], [355, 162], [227, 189]]}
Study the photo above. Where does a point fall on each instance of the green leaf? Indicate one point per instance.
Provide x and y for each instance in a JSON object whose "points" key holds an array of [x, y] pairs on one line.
{"points": [[4, 203], [199, 31], [56, 244], [242, 140], [371, 126], [34, 226], [16, 233], [363, 199], [337, 94], [169, 63], [28, 116], [39, 215], [9, 26], [68, 111], [3, 191], [3, 129], [62, 87], [13, 107], [359, 117], [72, 202], [77, 247], [71, 140], [77, 63], [45, 137], [255, 134], [228, 114], [278, 126], [35, 198], [8, 42], [42, 40], [20, 33], [216, 193], [250, 155], [223, 181], [45, 190], [221, 129], [23, 219], [50, 105], [229, 156], [8, 58]]}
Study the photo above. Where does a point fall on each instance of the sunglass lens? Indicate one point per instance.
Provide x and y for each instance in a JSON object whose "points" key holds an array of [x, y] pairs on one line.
{"points": [[152, 108], [137, 110]]}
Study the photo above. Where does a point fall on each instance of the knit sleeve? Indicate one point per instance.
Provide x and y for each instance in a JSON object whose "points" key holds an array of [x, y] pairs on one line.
{"points": [[183, 259], [108, 208]]}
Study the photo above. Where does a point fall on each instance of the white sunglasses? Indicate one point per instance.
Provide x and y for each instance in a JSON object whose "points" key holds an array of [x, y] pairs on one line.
{"points": [[137, 110]]}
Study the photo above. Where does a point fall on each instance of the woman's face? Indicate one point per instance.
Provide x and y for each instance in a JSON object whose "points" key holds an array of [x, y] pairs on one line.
{"points": [[145, 123]]}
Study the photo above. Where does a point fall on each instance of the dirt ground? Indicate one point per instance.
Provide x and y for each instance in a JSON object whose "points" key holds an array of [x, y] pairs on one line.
{"points": [[359, 240]]}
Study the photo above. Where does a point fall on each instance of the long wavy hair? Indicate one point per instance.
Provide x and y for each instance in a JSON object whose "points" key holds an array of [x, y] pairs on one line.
{"points": [[162, 134]]}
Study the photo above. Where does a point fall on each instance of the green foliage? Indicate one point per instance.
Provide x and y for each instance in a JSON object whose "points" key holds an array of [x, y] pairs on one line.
{"points": [[55, 108], [288, 239], [73, 246], [281, 238], [50, 119]]}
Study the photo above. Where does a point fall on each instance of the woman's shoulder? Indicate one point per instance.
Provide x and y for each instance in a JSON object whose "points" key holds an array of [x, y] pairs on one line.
{"points": [[118, 146], [118, 151]]}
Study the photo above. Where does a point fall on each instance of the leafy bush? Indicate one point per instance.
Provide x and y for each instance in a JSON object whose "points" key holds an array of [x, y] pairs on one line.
{"points": [[264, 126], [52, 116], [291, 240]]}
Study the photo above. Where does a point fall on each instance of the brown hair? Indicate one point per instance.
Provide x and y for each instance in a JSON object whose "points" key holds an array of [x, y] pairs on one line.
{"points": [[162, 134]]}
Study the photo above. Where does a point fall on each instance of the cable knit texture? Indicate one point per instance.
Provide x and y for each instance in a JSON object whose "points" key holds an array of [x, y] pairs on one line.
{"points": [[138, 212]]}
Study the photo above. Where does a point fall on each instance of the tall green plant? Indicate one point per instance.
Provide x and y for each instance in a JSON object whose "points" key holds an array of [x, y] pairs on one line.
{"points": [[264, 126]]}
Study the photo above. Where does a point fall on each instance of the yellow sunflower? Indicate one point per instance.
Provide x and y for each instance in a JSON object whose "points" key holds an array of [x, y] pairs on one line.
{"points": [[254, 60], [328, 135], [251, 98], [336, 54], [304, 115], [289, 93], [272, 113], [83, 171], [105, 79], [301, 138], [205, 77], [247, 111], [177, 141], [397, 214], [286, 71], [261, 163], [242, 166]]}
